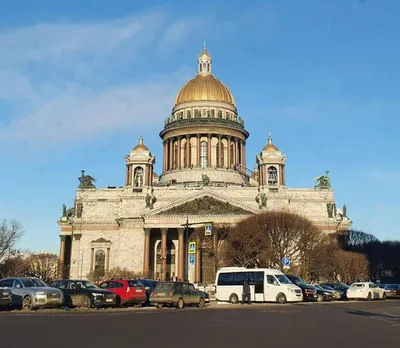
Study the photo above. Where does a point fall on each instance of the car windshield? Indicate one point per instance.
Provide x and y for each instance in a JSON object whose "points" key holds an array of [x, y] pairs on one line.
{"points": [[327, 287], [164, 286], [391, 286], [33, 283], [357, 285], [282, 279], [133, 283], [319, 287], [86, 285]]}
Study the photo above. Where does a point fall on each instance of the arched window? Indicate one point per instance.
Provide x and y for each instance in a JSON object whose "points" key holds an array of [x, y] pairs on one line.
{"points": [[208, 66], [138, 177], [100, 263], [201, 67], [272, 176], [203, 154]]}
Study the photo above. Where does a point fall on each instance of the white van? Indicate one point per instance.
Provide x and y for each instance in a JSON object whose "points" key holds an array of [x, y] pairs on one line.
{"points": [[266, 285]]}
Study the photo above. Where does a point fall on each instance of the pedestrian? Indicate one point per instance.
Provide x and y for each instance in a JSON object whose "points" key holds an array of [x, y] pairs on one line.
{"points": [[246, 293]]}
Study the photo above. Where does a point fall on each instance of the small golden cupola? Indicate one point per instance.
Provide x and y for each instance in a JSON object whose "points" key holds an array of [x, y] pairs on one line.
{"points": [[271, 166], [140, 166]]}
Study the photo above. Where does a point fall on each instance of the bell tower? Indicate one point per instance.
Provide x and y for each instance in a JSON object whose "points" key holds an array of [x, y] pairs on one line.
{"points": [[140, 166], [204, 62], [271, 166]]}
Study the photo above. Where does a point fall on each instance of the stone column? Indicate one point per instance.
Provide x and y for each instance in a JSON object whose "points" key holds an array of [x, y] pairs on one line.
{"points": [[219, 159], [198, 150], [244, 153], [209, 150], [146, 261], [108, 260], [236, 151], [241, 152], [187, 151], [197, 264], [61, 264], [164, 252], [127, 175], [178, 165], [181, 253], [165, 156], [151, 175], [228, 152], [91, 258], [171, 153]]}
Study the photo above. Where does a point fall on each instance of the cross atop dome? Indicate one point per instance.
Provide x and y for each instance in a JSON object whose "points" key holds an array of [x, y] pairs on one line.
{"points": [[204, 62]]}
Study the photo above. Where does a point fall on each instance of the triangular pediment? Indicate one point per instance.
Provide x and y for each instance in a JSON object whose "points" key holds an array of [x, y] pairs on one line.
{"points": [[206, 204]]}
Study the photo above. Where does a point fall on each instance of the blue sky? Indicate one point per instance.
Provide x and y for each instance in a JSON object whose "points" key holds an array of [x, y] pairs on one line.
{"points": [[81, 81]]}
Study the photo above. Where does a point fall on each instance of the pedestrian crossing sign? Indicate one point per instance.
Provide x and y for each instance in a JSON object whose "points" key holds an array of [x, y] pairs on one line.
{"points": [[208, 229], [192, 248]]}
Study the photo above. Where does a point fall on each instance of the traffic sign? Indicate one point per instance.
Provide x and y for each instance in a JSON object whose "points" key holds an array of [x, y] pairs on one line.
{"points": [[192, 248], [208, 229], [191, 259], [286, 261]]}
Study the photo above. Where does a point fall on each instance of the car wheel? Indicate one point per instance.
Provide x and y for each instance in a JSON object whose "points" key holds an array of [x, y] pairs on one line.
{"points": [[159, 305], [86, 302], [201, 303], [320, 298], [180, 304], [369, 297], [233, 299], [281, 298], [27, 303]]}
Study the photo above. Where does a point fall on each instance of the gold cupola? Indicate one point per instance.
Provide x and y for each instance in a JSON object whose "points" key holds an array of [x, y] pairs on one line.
{"points": [[204, 86]]}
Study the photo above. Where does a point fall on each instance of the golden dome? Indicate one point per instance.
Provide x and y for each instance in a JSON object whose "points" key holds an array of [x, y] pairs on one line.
{"points": [[205, 88], [270, 146], [204, 54], [141, 146]]}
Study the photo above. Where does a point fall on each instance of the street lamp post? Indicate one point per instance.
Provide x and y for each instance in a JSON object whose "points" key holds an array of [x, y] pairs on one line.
{"points": [[186, 246]]}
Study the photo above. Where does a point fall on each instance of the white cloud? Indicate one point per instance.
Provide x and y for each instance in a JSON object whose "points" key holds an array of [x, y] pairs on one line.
{"points": [[58, 77]]}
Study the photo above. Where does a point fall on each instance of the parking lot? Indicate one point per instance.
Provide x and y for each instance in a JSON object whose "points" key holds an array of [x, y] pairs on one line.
{"points": [[329, 324]]}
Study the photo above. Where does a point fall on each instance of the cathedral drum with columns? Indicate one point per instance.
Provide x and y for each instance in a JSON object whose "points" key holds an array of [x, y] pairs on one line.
{"points": [[141, 226]]}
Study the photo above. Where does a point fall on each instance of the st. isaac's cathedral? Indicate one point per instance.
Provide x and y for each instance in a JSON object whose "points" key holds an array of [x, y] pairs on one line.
{"points": [[142, 225]]}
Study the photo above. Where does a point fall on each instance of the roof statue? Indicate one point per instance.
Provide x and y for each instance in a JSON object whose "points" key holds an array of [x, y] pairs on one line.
{"points": [[86, 181], [323, 181]]}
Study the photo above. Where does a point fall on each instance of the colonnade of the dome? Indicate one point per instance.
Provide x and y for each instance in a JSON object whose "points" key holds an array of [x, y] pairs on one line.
{"points": [[203, 151]]}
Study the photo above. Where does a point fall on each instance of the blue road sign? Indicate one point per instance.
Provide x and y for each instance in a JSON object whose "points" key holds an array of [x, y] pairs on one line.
{"points": [[208, 229], [191, 259], [286, 261], [192, 248]]}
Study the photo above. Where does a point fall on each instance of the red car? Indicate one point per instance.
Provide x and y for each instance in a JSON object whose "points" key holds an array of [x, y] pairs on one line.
{"points": [[128, 291]]}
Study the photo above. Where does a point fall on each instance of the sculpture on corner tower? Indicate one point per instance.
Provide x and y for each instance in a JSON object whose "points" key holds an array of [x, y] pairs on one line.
{"points": [[86, 181], [323, 182]]}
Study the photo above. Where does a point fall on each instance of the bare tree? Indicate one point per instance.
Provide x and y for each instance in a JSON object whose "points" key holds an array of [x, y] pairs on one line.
{"points": [[10, 232], [354, 240], [43, 266], [265, 239], [13, 267]]}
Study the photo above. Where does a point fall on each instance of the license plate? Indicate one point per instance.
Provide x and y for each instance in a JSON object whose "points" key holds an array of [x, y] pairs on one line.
{"points": [[6, 294], [109, 300], [161, 294], [139, 290]]}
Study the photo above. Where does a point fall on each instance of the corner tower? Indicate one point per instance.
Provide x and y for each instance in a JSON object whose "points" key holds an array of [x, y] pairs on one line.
{"points": [[271, 166], [204, 136]]}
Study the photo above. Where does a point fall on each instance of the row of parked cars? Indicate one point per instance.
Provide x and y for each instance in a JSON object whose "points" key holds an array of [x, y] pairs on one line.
{"points": [[30, 293]]}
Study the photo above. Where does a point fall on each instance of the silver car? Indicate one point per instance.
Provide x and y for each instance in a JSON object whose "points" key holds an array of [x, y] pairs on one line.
{"points": [[30, 293]]}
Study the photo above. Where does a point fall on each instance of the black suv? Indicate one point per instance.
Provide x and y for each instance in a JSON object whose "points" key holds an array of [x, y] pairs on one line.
{"points": [[5, 298], [310, 292], [82, 293]]}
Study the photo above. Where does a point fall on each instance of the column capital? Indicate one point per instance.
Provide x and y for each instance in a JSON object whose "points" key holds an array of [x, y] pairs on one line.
{"points": [[77, 236], [198, 135], [209, 135], [181, 230], [63, 238], [219, 136], [164, 231], [147, 231]]}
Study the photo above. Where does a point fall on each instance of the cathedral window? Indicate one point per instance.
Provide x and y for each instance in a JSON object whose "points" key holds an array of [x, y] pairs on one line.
{"points": [[208, 113], [213, 113], [203, 154], [272, 176], [138, 177], [201, 67], [188, 114], [219, 113], [208, 66], [100, 263]]}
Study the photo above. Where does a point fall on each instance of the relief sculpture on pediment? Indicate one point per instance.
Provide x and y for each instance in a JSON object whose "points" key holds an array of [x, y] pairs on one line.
{"points": [[206, 206]]}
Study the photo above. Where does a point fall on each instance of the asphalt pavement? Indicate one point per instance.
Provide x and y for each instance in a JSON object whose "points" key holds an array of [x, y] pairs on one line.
{"points": [[359, 324]]}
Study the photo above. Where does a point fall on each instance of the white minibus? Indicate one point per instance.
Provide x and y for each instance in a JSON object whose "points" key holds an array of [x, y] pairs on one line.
{"points": [[266, 285]]}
